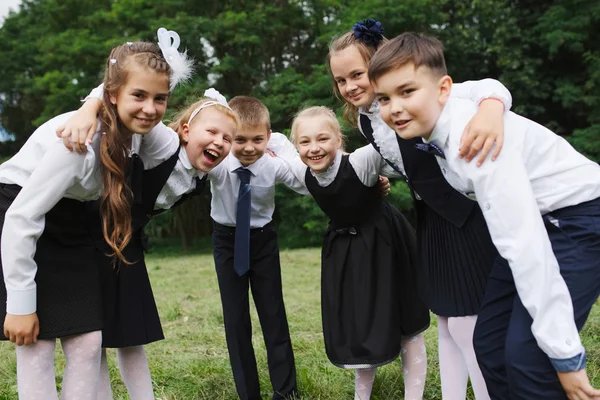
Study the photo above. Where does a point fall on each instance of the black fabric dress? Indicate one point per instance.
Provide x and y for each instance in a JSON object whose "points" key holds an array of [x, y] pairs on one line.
{"points": [[130, 314], [69, 298], [368, 295], [454, 242]]}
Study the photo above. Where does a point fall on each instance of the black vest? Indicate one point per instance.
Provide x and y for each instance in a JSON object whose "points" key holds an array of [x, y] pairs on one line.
{"points": [[425, 177]]}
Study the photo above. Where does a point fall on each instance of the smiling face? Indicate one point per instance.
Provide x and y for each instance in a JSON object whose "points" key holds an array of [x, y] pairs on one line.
{"points": [[249, 144], [411, 99], [349, 71], [317, 142], [142, 101], [208, 139]]}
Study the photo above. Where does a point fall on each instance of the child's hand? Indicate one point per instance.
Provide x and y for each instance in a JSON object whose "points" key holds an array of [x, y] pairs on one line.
{"points": [[22, 329], [577, 385], [80, 127], [485, 128], [384, 185]]}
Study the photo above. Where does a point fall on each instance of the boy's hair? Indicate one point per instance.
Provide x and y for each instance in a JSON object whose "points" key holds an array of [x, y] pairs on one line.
{"points": [[366, 50], [316, 111], [115, 204], [182, 117], [251, 112], [416, 48]]}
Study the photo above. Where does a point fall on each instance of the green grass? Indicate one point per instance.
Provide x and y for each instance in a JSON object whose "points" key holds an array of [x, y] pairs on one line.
{"points": [[192, 362]]}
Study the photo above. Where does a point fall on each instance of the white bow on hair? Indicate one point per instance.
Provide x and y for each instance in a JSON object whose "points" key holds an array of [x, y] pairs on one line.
{"points": [[181, 65], [214, 94]]}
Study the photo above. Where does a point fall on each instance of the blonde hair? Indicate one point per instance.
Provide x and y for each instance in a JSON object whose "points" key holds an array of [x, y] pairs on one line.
{"points": [[115, 203], [182, 117], [314, 112], [252, 113], [366, 51]]}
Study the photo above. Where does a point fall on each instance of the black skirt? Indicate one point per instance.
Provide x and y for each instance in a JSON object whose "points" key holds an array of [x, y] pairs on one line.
{"points": [[368, 297], [456, 261], [130, 313], [69, 300]]}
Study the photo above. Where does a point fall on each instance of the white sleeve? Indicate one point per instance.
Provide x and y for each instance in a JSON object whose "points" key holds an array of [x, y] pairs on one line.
{"points": [[285, 174], [504, 192], [158, 145], [96, 93], [477, 91], [24, 222], [367, 164], [285, 150]]}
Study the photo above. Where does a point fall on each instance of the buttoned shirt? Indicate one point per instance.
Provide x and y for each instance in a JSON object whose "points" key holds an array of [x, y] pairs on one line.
{"points": [[47, 172], [266, 172], [536, 173]]}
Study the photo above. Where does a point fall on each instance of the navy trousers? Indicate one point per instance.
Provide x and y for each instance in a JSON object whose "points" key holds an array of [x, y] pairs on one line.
{"points": [[264, 280], [513, 365]]}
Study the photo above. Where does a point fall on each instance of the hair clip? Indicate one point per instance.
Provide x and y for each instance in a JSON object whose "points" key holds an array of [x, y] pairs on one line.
{"points": [[369, 31], [181, 65], [113, 60]]}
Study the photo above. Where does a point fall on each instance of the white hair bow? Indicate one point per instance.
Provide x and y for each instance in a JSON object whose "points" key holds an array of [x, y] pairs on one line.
{"points": [[181, 65], [217, 99]]}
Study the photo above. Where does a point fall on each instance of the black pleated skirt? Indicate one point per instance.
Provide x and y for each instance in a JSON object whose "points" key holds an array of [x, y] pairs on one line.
{"points": [[69, 299], [130, 313], [368, 296], [456, 261]]}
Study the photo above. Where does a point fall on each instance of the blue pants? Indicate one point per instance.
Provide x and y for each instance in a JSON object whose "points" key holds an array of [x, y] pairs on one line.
{"points": [[513, 365]]}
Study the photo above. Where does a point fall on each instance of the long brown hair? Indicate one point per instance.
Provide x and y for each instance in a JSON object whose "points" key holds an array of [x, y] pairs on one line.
{"points": [[115, 205], [366, 51]]}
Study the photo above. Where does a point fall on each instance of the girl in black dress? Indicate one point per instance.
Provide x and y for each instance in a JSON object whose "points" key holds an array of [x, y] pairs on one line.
{"points": [[51, 284], [370, 308]]}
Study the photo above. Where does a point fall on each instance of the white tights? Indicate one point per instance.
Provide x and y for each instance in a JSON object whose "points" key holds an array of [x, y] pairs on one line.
{"points": [[414, 366], [35, 368], [135, 372], [457, 358]]}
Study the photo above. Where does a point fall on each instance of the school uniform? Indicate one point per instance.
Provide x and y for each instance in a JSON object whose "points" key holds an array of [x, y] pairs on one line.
{"points": [[130, 314], [454, 244], [48, 259], [263, 276], [540, 199], [368, 297]]}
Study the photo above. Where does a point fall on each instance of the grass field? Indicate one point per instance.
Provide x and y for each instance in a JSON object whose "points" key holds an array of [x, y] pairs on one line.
{"points": [[192, 362]]}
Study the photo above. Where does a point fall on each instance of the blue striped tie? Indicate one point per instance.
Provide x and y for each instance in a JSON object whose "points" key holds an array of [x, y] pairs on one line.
{"points": [[431, 148], [241, 249]]}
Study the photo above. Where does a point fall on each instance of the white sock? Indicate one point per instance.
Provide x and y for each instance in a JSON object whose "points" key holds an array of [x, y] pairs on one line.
{"points": [[83, 353], [453, 370], [414, 366], [135, 372], [363, 383], [104, 388], [35, 371], [461, 329]]}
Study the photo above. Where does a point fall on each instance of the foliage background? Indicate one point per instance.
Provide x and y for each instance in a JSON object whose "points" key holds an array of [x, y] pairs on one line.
{"points": [[546, 52]]}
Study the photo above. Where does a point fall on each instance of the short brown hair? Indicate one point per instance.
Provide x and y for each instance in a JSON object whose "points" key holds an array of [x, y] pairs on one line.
{"points": [[252, 113], [409, 47]]}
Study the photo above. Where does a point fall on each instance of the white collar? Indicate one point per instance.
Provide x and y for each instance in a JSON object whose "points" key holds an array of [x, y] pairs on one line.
{"points": [[441, 130]]}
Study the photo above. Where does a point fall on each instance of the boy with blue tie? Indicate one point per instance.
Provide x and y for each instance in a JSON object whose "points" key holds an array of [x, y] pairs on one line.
{"points": [[246, 252], [541, 203]]}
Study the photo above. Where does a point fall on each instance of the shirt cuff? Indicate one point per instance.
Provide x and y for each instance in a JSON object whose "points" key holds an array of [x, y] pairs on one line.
{"points": [[574, 363], [497, 96], [21, 302]]}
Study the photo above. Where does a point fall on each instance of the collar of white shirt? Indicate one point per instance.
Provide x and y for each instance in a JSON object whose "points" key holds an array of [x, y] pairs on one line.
{"points": [[326, 177], [441, 131], [233, 164], [187, 164]]}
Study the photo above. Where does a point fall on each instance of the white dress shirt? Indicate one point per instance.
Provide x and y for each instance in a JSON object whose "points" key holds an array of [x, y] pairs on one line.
{"points": [[385, 137], [536, 172], [47, 172], [366, 162], [266, 171]]}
